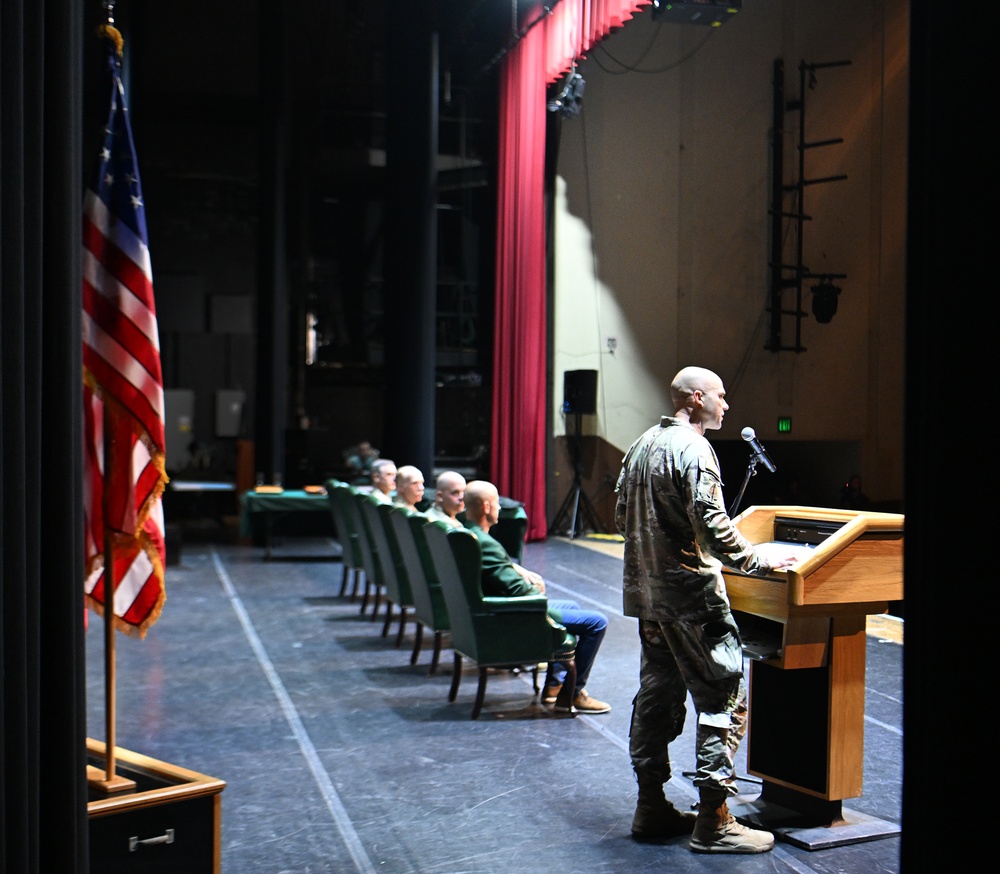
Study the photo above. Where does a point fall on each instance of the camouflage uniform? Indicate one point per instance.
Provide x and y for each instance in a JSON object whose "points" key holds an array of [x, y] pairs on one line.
{"points": [[677, 536], [438, 515]]}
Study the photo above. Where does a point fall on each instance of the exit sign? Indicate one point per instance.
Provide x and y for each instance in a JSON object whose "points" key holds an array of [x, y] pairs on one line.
{"points": [[784, 424]]}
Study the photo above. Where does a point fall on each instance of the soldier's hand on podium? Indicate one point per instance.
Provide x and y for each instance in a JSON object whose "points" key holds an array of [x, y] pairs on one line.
{"points": [[779, 556]]}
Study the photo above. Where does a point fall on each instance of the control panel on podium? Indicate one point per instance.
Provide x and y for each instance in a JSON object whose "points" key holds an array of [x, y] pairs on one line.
{"points": [[804, 630]]}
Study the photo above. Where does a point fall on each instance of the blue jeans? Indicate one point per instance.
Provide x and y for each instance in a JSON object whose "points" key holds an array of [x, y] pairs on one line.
{"points": [[589, 626]]}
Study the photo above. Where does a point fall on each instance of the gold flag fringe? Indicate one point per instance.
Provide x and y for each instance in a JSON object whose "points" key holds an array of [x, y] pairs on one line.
{"points": [[156, 454], [138, 631], [97, 561]]}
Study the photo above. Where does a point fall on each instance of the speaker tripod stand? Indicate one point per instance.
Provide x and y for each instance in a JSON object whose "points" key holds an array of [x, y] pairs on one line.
{"points": [[576, 502]]}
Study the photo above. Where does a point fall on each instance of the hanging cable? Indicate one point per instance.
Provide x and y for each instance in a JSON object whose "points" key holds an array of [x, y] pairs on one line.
{"points": [[635, 68]]}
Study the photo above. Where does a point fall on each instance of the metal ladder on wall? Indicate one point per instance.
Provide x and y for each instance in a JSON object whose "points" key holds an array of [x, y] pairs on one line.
{"points": [[791, 276]]}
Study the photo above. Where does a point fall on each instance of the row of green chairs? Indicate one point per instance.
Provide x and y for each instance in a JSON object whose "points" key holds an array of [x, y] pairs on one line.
{"points": [[411, 562], [384, 550], [429, 607]]}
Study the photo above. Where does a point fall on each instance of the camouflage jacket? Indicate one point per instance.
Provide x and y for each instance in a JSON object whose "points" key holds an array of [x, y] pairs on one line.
{"points": [[677, 532], [438, 515]]}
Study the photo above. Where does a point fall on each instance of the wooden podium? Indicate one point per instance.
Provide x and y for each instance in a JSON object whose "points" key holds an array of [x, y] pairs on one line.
{"points": [[804, 628]]}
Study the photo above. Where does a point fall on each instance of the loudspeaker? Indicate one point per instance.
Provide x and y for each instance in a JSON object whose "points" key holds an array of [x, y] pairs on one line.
{"points": [[580, 391]]}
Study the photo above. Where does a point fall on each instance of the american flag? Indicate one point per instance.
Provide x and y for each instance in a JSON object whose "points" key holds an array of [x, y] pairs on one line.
{"points": [[122, 382]]}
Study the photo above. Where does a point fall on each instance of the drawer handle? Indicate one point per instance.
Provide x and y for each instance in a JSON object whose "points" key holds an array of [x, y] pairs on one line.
{"points": [[166, 838]]}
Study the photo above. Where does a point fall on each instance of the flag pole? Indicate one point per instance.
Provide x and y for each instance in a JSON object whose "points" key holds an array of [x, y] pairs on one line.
{"points": [[109, 633], [123, 389], [109, 781]]}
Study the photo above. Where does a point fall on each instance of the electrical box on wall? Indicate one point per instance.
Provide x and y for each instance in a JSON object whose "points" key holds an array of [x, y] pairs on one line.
{"points": [[178, 425], [229, 413]]}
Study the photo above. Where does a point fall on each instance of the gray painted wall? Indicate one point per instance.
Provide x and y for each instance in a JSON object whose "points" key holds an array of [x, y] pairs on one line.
{"points": [[662, 229]]}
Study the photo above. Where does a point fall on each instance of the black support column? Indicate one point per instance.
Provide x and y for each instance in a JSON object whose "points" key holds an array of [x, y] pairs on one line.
{"points": [[410, 256], [272, 285]]}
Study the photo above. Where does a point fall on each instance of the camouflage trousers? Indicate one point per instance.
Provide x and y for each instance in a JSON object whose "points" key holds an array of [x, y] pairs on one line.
{"points": [[705, 659]]}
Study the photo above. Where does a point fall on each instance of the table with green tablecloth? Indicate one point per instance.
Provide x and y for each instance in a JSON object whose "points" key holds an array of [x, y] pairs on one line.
{"points": [[292, 511], [295, 511]]}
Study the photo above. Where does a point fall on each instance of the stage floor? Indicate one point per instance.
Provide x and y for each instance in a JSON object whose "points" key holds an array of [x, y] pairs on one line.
{"points": [[340, 756]]}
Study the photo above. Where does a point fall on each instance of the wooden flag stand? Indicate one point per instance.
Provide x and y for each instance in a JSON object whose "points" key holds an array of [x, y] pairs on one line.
{"points": [[160, 818]]}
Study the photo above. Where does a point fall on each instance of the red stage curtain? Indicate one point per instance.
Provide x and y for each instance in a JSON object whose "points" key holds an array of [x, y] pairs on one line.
{"points": [[519, 358], [519, 398]]}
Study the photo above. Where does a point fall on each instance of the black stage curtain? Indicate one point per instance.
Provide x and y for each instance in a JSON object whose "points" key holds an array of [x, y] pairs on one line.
{"points": [[951, 343], [42, 677]]}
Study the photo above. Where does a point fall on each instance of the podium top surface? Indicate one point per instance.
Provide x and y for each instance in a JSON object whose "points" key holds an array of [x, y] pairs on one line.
{"points": [[156, 782], [856, 557]]}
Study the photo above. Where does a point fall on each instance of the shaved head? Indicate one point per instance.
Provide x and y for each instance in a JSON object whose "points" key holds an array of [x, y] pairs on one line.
{"points": [[409, 485], [408, 474], [449, 479], [699, 397], [688, 381], [479, 491], [450, 495], [482, 503]]}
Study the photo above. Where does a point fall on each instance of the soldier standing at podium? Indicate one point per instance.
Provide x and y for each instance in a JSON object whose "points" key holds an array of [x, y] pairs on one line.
{"points": [[677, 537]]}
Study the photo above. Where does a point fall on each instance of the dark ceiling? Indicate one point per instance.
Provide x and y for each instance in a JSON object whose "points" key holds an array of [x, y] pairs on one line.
{"points": [[335, 51]]}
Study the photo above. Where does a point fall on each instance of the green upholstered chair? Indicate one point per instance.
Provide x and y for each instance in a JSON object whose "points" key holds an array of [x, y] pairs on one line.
{"points": [[369, 552], [394, 575], [494, 632], [339, 492], [429, 608], [511, 528]]}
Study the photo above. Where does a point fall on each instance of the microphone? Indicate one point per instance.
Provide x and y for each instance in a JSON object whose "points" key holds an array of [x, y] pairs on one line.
{"points": [[760, 453]]}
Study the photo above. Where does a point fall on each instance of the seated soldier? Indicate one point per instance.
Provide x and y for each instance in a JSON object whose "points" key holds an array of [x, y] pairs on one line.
{"points": [[502, 577], [409, 487], [449, 499]]}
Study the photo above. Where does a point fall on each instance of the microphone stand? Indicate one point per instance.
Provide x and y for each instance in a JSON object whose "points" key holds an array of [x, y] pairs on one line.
{"points": [[751, 471]]}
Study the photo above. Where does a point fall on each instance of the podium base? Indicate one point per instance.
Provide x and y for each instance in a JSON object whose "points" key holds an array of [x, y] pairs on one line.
{"points": [[809, 831]]}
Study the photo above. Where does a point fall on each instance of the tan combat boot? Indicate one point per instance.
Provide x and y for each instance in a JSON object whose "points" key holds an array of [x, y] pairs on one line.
{"points": [[656, 819], [716, 831]]}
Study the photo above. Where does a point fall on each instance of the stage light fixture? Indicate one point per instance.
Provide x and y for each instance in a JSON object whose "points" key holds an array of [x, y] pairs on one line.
{"points": [[569, 100], [824, 302], [710, 13]]}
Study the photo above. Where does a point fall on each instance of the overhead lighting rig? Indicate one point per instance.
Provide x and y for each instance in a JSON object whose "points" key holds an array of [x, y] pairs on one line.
{"points": [[710, 13]]}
